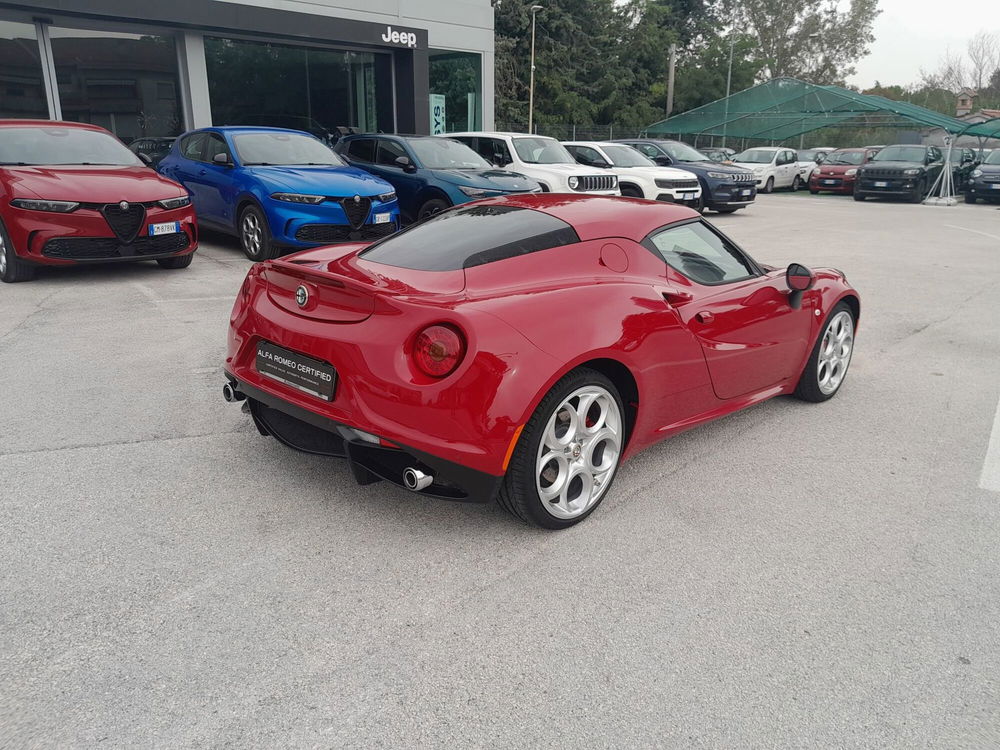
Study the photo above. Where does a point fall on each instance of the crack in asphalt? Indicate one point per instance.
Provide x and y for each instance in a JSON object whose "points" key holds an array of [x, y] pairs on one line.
{"points": [[137, 441], [39, 307]]}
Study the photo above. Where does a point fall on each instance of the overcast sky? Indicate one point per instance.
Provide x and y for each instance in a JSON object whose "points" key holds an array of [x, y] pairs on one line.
{"points": [[910, 34]]}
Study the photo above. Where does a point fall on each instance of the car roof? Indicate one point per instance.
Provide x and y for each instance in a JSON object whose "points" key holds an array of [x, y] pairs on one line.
{"points": [[601, 216], [497, 134], [235, 129], [51, 124]]}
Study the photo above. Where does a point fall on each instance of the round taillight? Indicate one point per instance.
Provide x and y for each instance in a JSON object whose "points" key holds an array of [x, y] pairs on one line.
{"points": [[438, 350]]}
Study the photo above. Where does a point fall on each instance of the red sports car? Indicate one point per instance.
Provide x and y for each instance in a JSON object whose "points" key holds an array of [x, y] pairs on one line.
{"points": [[838, 172], [523, 347], [72, 193]]}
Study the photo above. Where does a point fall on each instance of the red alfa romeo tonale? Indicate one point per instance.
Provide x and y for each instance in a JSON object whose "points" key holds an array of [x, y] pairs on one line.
{"points": [[72, 193], [523, 347]]}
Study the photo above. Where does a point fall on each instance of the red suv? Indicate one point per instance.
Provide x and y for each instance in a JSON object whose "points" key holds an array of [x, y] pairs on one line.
{"points": [[839, 170], [72, 193]]}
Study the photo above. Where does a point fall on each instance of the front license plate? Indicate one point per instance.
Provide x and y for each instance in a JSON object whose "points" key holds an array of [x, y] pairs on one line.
{"points": [[746, 192], [383, 218], [995, 186], [170, 227], [308, 375], [881, 184], [829, 182]]}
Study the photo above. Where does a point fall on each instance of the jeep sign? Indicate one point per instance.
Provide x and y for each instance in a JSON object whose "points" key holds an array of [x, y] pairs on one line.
{"points": [[404, 38]]}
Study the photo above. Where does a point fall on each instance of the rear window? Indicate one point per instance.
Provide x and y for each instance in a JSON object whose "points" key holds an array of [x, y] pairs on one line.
{"points": [[471, 236]]}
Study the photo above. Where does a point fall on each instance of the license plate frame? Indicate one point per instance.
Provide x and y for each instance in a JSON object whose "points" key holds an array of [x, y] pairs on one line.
{"points": [[384, 218], [299, 371], [747, 192], [829, 182], [166, 227], [881, 183]]}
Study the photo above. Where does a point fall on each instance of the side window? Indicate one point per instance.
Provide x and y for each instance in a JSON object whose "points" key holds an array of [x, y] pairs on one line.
{"points": [[363, 149], [647, 149], [494, 151], [586, 155], [790, 157], [700, 254], [191, 146], [935, 154], [214, 145], [388, 152]]}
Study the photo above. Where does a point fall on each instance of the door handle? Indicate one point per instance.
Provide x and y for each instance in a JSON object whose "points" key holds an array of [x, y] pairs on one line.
{"points": [[674, 297], [704, 316]]}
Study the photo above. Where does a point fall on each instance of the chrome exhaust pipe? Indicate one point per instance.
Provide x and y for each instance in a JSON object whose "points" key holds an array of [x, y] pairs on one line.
{"points": [[416, 480], [231, 394]]}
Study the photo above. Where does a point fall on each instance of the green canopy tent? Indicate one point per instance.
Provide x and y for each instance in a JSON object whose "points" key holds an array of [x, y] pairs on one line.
{"points": [[783, 108]]}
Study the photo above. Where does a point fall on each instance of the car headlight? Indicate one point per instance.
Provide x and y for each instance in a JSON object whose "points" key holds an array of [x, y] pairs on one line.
{"points": [[911, 172], [977, 173], [298, 197], [387, 197], [850, 173], [168, 203], [59, 207], [719, 175], [574, 183], [474, 192]]}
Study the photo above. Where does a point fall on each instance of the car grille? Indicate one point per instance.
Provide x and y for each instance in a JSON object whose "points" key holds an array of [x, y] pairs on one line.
{"points": [[356, 210], [597, 182], [96, 248], [677, 183], [747, 177], [125, 223], [333, 233], [880, 174]]}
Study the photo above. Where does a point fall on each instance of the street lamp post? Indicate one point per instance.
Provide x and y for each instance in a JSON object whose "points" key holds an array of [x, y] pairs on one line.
{"points": [[729, 82], [531, 86]]}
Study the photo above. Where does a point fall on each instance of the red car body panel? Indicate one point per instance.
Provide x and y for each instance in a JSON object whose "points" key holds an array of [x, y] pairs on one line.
{"points": [[92, 187], [683, 353], [838, 173]]}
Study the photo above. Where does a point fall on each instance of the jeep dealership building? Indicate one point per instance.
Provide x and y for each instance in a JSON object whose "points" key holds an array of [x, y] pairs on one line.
{"points": [[143, 69]]}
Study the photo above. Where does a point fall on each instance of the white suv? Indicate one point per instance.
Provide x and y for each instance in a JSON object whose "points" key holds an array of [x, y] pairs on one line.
{"points": [[541, 158], [639, 176], [772, 167]]}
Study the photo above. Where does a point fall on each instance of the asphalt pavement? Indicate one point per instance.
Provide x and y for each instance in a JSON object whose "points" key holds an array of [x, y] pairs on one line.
{"points": [[794, 575]]}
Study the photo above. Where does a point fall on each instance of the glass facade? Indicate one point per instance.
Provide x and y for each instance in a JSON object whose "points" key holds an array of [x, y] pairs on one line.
{"points": [[22, 85], [457, 77], [126, 83], [305, 88]]}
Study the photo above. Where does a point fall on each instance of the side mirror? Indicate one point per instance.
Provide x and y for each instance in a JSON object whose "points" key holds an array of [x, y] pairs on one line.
{"points": [[145, 158], [222, 160], [406, 164], [663, 160], [820, 158], [799, 279]]}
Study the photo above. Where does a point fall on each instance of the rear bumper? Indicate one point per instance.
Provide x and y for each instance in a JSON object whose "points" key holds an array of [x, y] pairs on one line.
{"points": [[309, 432]]}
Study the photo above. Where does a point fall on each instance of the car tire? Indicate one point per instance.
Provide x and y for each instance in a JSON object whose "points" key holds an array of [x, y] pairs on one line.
{"points": [[970, 198], [830, 358], [178, 261], [12, 268], [768, 186], [255, 235], [813, 191], [859, 196], [796, 184], [918, 193], [555, 453], [432, 207]]}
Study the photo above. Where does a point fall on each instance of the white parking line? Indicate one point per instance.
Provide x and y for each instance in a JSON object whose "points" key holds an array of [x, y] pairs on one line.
{"points": [[974, 231], [990, 478]]}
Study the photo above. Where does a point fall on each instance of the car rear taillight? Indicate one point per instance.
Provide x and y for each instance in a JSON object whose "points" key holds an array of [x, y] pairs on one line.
{"points": [[438, 350]]}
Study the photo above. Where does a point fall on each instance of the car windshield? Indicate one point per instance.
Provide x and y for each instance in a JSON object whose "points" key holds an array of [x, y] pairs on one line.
{"points": [[808, 154], [58, 146], [683, 152], [957, 155], [542, 151], [993, 158], [284, 149], [845, 157], [441, 153], [755, 156], [626, 156], [901, 153]]}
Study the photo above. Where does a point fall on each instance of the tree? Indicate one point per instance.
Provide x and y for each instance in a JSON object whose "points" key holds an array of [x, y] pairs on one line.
{"points": [[814, 40], [983, 50]]}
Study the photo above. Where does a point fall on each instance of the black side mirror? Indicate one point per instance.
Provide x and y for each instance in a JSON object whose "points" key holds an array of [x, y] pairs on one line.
{"points": [[146, 158], [663, 160], [799, 279], [406, 164], [222, 160]]}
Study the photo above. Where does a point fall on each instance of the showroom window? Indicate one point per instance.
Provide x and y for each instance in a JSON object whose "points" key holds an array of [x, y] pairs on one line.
{"points": [[456, 88], [304, 88], [22, 84], [124, 82]]}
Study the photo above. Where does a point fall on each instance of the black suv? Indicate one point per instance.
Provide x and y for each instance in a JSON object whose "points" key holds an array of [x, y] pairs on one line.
{"points": [[724, 188], [902, 171]]}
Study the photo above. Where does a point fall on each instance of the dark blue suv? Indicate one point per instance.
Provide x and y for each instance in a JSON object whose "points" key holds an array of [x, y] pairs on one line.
{"points": [[429, 173], [724, 188]]}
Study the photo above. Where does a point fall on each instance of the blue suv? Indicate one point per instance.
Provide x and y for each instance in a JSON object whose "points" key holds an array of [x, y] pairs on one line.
{"points": [[724, 188], [275, 189], [429, 173]]}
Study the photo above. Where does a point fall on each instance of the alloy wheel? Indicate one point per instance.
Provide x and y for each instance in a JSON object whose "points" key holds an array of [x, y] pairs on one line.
{"points": [[251, 231], [3, 255], [579, 452], [835, 352]]}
